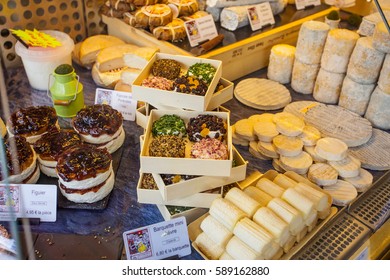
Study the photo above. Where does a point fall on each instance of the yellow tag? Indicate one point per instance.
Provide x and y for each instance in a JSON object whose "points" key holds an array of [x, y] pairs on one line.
{"points": [[35, 38]]}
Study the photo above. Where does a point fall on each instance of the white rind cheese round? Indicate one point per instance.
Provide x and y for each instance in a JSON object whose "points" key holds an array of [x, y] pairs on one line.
{"points": [[355, 96], [262, 94], [384, 76], [338, 49], [265, 131], [381, 38], [310, 135], [233, 18], [288, 146], [337, 122], [299, 164], [365, 62], [331, 149], [375, 154], [311, 40], [378, 109], [361, 182], [311, 151], [267, 149], [304, 76], [322, 174], [347, 167], [342, 192], [288, 124], [281, 61], [328, 86]]}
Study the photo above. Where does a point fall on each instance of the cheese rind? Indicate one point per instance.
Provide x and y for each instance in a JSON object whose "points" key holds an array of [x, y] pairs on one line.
{"points": [[365, 62], [243, 201], [361, 182], [384, 76], [304, 76], [347, 167], [328, 86], [381, 38], [342, 192], [355, 96], [226, 212], [331, 149], [322, 174], [281, 61], [288, 146], [216, 231], [378, 109], [299, 164], [208, 247]]}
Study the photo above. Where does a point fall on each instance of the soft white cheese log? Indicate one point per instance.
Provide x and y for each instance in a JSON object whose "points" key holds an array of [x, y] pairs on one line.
{"points": [[384, 77], [338, 49], [355, 96], [208, 247], [270, 187], [319, 198], [215, 12], [226, 212], [267, 218], [311, 40], [304, 76], [365, 62], [287, 213], [225, 256], [381, 38], [378, 109], [328, 86], [284, 181], [233, 18], [300, 202], [281, 62], [230, 3], [253, 235], [260, 196], [216, 231], [243, 201], [240, 251]]}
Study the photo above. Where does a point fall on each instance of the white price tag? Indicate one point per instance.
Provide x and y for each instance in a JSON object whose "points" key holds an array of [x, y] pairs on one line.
{"points": [[28, 201], [260, 16], [301, 4], [119, 100], [200, 30], [158, 241]]}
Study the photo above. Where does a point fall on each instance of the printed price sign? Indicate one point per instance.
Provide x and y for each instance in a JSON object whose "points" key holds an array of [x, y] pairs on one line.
{"points": [[301, 4], [200, 30], [28, 201], [158, 241], [119, 100], [260, 16]]}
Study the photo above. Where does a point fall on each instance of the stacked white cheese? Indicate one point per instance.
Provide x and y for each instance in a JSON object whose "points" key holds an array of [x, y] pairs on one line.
{"points": [[264, 220], [362, 74], [334, 61], [378, 109], [309, 48], [281, 62], [292, 145]]}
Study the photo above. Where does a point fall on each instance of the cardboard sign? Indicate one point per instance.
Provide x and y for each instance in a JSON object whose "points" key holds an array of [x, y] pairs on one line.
{"points": [[158, 241], [260, 16], [200, 30], [28, 201], [119, 100], [302, 4]]}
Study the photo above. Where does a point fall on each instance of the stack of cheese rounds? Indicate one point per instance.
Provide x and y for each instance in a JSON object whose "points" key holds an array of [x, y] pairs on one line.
{"points": [[264, 220], [292, 145]]}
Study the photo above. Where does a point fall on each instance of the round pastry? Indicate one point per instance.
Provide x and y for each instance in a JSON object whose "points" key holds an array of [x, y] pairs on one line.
{"points": [[25, 170], [100, 125], [206, 126], [169, 125], [157, 82], [51, 145], [116, 8], [210, 148], [202, 71], [32, 122], [185, 7], [167, 146], [153, 15], [166, 68], [191, 85], [173, 31], [85, 173]]}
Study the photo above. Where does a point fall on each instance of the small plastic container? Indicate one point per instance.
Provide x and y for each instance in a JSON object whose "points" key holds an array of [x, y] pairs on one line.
{"points": [[40, 62]]}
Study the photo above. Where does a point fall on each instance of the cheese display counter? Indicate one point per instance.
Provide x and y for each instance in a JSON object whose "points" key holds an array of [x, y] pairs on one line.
{"points": [[261, 197]]}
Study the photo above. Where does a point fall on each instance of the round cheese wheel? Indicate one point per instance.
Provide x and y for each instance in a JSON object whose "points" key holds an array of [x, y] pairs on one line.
{"points": [[361, 182], [331, 149], [266, 117], [304, 76], [355, 96], [288, 146], [328, 86], [384, 77], [378, 109], [311, 151], [347, 167], [299, 164], [322, 174], [265, 131], [311, 40], [338, 49], [267, 149], [365, 62], [310, 135], [281, 61], [342, 192], [288, 124], [381, 38]]}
